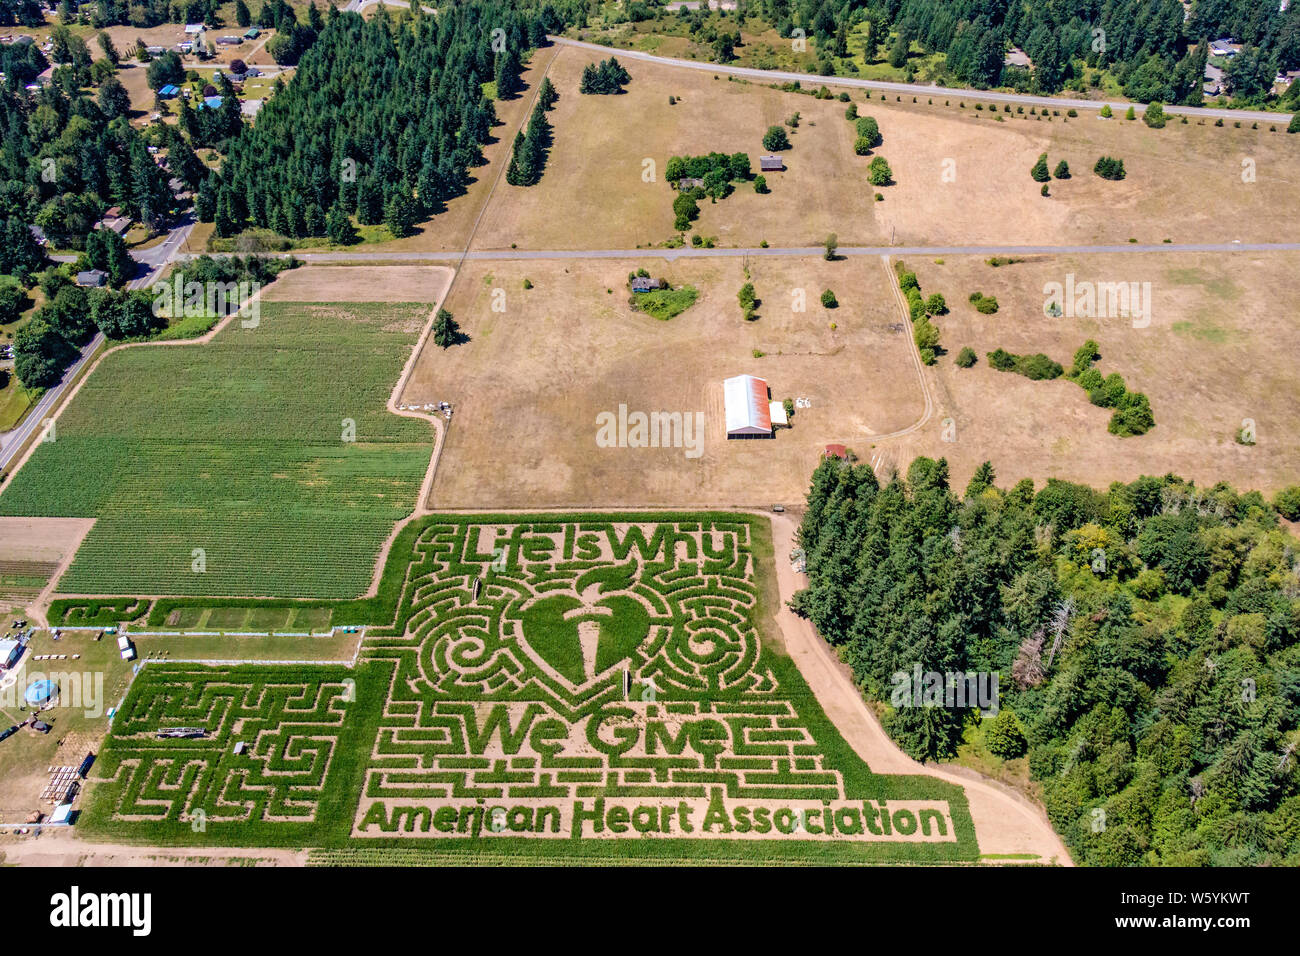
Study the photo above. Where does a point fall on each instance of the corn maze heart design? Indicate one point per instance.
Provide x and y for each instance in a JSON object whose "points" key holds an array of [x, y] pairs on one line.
{"points": [[585, 637]]}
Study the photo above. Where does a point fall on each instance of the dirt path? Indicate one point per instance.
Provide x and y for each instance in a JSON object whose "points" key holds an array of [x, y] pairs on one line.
{"points": [[440, 427], [1005, 822], [64, 848], [42, 602]]}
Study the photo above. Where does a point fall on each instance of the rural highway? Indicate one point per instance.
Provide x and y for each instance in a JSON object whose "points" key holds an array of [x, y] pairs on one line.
{"points": [[153, 259], [493, 255], [917, 89]]}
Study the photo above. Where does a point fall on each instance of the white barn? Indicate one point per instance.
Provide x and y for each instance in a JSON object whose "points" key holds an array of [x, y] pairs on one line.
{"points": [[748, 414]]}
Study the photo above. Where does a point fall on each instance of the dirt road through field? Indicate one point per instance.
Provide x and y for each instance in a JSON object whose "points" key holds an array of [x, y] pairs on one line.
{"points": [[1006, 824]]}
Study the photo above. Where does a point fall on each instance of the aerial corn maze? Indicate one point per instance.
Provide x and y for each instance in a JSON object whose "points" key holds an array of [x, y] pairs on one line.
{"points": [[573, 686]]}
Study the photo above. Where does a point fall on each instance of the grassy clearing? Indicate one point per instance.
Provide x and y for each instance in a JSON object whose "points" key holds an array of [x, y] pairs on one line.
{"points": [[262, 463], [15, 399], [26, 756], [664, 304]]}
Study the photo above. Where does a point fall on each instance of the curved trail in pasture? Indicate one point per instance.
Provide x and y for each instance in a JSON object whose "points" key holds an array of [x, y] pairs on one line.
{"points": [[1006, 824]]}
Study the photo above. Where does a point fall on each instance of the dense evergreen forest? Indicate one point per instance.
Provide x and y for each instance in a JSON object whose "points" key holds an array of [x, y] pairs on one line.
{"points": [[384, 120], [137, 13], [64, 158], [1153, 51], [1147, 640]]}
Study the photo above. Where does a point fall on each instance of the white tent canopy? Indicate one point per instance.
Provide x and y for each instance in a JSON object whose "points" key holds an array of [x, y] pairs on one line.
{"points": [[745, 397]]}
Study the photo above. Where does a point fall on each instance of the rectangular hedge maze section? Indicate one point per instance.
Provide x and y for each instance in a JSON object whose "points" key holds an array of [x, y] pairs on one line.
{"points": [[600, 686], [249, 755]]}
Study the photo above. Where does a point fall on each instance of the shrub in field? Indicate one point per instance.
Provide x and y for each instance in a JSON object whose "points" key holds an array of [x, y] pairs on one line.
{"points": [[775, 139], [828, 299], [985, 304], [879, 173], [966, 357], [1036, 366], [1039, 173], [1132, 415], [869, 130], [1108, 167]]}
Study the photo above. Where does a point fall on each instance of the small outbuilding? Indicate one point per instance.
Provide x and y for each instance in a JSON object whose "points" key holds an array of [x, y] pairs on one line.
{"points": [[92, 279], [776, 412], [644, 284], [771, 164], [10, 652], [747, 411]]}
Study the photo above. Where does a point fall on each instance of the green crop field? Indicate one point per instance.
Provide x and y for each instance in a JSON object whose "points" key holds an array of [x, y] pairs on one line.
{"points": [[564, 688], [264, 463]]}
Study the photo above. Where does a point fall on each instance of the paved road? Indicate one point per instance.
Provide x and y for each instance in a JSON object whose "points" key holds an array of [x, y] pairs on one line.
{"points": [[689, 252], [916, 89], [153, 259]]}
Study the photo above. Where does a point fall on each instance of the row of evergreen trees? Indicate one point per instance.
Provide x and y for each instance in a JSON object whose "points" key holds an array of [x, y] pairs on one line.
{"points": [[528, 158], [383, 116], [1150, 45], [605, 78], [1147, 640]]}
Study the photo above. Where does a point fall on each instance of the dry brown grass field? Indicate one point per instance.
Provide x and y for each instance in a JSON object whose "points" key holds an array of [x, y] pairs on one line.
{"points": [[592, 195], [1220, 348], [530, 381], [961, 176], [32, 551], [371, 283]]}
